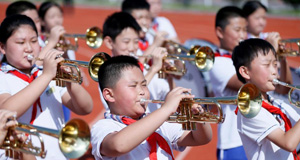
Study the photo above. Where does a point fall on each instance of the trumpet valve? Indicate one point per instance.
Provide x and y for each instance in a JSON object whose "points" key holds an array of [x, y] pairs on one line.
{"points": [[161, 74]]}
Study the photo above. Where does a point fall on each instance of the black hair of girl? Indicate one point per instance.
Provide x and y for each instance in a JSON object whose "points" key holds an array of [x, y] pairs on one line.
{"points": [[45, 6], [251, 6], [12, 23]]}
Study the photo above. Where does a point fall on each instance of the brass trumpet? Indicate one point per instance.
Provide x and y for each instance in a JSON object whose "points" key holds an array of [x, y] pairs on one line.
{"points": [[93, 38], [248, 101], [287, 50], [93, 66], [202, 57], [292, 88], [73, 139], [75, 76]]}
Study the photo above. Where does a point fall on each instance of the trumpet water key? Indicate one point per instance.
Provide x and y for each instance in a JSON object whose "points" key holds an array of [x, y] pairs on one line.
{"points": [[73, 139]]}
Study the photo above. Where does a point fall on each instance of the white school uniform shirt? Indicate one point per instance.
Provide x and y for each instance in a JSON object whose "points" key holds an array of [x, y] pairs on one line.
{"points": [[262, 35], [254, 132], [170, 132], [158, 89], [165, 24], [51, 116], [220, 74]]}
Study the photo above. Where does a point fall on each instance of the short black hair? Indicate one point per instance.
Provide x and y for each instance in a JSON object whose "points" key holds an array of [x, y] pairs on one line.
{"points": [[18, 7], [225, 14], [251, 6], [247, 50], [12, 23], [129, 5], [45, 6], [117, 22], [111, 70]]}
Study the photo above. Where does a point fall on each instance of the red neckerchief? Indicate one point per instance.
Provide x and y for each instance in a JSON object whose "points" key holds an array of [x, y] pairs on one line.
{"points": [[155, 25], [141, 66], [287, 122], [29, 80], [224, 55], [43, 37], [143, 44], [152, 140], [276, 110]]}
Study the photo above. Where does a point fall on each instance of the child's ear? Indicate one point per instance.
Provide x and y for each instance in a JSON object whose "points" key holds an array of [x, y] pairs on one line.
{"points": [[244, 72], [108, 42], [2, 48], [219, 32], [108, 95]]}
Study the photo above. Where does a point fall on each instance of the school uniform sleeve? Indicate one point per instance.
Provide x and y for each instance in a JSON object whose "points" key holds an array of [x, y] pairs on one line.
{"points": [[4, 87], [173, 131], [166, 25], [99, 131], [221, 73], [258, 127]]}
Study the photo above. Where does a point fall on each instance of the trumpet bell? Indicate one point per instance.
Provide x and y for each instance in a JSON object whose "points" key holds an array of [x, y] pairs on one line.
{"points": [[96, 61], [204, 58], [249, 100], [94, 37], [74, 138]]}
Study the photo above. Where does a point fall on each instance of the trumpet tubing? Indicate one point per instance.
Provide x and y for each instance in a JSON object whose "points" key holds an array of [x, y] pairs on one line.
{"points": [[292, 88], [93, 38], [93, 66], [288, 50], [248, 100]]}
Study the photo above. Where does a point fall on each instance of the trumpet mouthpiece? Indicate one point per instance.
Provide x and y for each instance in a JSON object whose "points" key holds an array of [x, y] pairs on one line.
{"points": [[29, 57], [275, 81], [143, 101], [144, 29]]}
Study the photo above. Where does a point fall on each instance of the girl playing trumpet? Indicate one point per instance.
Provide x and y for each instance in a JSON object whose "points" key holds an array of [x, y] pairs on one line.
{"points": [[31, 92]]}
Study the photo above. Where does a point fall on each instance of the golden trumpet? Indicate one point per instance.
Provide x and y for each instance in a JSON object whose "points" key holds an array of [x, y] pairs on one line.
{"points": [[73, 139], [248, 100], [93, 38], [75, 77], [287, 50]]}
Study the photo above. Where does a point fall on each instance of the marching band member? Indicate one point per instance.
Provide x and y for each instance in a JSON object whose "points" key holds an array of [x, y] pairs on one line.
{"points": [[230, 29], [273, 132], [31, 92], [255, 13], [126, 132], [121, 36]]}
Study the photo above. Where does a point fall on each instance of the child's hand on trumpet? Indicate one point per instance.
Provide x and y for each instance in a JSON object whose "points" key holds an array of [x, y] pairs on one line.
{"points": [[6, 121]]}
